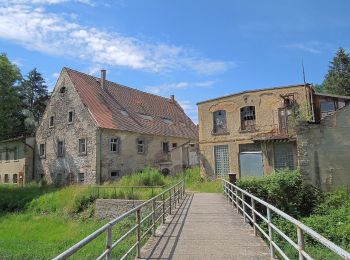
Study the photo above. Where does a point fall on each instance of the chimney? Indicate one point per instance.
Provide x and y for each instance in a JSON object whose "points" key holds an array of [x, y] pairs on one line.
{"points": [[103, 78], [172, 97]]}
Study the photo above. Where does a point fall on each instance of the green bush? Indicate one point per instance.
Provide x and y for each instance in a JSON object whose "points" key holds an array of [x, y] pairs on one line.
{"points": [[285, 190]]}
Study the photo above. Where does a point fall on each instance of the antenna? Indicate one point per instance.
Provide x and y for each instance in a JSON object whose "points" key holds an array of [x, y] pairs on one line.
{"points": [[302, 64]]}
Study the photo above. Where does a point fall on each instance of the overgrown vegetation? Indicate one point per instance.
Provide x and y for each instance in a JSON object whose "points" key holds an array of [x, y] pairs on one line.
{"points": [[40, 222], [326, 213]]}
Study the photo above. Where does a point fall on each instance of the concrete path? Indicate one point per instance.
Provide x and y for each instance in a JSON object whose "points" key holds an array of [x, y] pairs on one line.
{"points": [[205, 226]]}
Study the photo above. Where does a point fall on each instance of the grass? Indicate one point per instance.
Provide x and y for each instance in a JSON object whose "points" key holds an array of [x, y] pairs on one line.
{"points": [[41, 222]]}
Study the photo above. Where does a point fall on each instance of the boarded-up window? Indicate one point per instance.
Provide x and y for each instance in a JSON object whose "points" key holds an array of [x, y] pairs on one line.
{"points": [[219, 120], [284, 158], [222, 161], [248, 118]]}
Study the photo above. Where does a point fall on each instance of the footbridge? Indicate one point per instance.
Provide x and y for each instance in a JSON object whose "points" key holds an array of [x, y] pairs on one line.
{"points": [[180, 225]]}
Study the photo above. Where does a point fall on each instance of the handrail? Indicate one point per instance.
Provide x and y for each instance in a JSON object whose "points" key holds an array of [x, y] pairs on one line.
{"points": [[176, 192], [231, 191]]}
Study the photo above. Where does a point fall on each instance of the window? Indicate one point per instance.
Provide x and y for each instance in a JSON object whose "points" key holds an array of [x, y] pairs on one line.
{"points": [[146, 116], [327, 107], [82, 146], [70, 117], [62, 89], [51, 121], [15, 178], [6, 180], [284, 158], [42, 150], [219, 118], [140, 146], [174, 145], [115, 174], [248, 118], [81, 177], [167, 120], [60, 148], [58, 179], [222, 163], [115, 144], [15, 153], [165, 147]]}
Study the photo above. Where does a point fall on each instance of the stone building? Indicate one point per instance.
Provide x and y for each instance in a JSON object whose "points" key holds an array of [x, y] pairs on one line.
{"points": [[254, 132], [94, 130], [17, 160]]}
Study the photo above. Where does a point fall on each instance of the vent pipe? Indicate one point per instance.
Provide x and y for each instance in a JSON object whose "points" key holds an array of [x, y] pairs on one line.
{"points": [[172, 97]]}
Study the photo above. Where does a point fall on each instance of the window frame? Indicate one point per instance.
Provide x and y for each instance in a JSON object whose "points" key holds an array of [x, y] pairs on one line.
{"points": [[16, 154], [43, 155], [218, 129], [246, 123], [6, 178], [82, 152], [163, 146], [7, 154], [52, 122], [138, 145], [58, 148], [70, 112], [81, 180], [116, 143], [15, 178]]}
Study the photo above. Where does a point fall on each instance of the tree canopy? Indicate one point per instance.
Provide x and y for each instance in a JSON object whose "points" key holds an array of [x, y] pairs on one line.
{"points": [[337, 80]]}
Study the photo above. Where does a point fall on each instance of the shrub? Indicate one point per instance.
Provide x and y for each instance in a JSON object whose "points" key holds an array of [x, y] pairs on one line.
{"points": [[285, 190], [148, 177]]}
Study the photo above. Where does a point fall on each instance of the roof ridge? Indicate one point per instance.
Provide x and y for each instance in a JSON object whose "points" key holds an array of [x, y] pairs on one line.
{"points": [[120, 85]]}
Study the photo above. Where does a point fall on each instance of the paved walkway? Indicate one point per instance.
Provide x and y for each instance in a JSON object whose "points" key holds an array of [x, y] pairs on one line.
{"points": [[205, 227]]}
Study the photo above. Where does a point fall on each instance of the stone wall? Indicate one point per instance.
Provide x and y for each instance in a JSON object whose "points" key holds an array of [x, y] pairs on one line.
{"points": [[323, 151], [72, 163], [266, 104]]}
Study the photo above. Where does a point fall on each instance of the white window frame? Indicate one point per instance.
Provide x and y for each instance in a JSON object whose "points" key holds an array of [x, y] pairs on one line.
{"points": [[114, 141], [142, 146], [82, 152]]}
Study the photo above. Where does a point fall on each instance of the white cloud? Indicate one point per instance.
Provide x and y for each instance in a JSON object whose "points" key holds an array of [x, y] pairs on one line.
{"points": [[56, 34], [164, 88], [314, 47]]}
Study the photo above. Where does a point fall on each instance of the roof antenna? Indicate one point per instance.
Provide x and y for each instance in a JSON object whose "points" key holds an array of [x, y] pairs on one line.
{"points": [[302, 64]]}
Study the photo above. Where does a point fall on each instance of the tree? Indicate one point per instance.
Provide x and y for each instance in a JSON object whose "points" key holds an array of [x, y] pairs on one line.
{"points": [[337, 80], [34, 95], [10, 103]]}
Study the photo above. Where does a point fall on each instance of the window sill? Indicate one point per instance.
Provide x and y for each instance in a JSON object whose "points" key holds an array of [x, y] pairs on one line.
{"points": [[51, 127], [42, 156], [217, 134], [82, 154], [248, 131], [69, 123]]}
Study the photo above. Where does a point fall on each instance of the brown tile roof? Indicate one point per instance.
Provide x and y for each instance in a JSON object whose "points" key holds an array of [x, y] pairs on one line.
{"points": [[127, 109]]}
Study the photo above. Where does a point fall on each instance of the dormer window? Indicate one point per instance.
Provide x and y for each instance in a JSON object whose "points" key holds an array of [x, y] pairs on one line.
{"points": [[124, 113], [145, 116], [167, 120], [219, 120], [63, 90]]}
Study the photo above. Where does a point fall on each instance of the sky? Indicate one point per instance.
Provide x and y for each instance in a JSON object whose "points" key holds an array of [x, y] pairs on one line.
{"points": [[196, 50]]}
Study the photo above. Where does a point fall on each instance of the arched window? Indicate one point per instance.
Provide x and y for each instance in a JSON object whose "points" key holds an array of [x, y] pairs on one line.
{"points": [[248, 118], [219, 119]]}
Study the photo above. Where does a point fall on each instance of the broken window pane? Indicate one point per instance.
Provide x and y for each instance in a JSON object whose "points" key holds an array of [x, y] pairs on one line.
{"points": [[248, 118], [219, 118]]}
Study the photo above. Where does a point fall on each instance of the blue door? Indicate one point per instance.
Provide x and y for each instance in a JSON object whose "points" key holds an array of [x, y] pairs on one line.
{"points": [[251, 164]]}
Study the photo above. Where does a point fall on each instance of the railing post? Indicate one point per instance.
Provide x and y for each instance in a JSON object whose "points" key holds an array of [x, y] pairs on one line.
{"points": [[109, 242], [301, 242], [243, 206], [170, 202], [269, 219], [163, 208], [178, 195], [231, 192], [237, 200], [183, 188], [138, 233], [154, 217], [254, 216]]}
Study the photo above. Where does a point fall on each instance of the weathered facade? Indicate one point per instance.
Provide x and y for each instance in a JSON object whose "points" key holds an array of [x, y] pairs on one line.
{"points": [[16, 160], [94, 130], [256, 132], [323, 150], [249, 133]]}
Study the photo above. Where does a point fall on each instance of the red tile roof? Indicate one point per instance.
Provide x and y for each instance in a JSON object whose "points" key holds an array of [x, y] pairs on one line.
{"points": [[123, 108]]}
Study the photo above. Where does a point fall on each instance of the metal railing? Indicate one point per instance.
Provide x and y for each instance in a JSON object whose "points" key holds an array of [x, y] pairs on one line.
{"points": [[238, 197], [166, 200]]}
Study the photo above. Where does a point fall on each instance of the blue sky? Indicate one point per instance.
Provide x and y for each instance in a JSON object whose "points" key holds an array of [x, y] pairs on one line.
{"points": [[196, 50]]}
